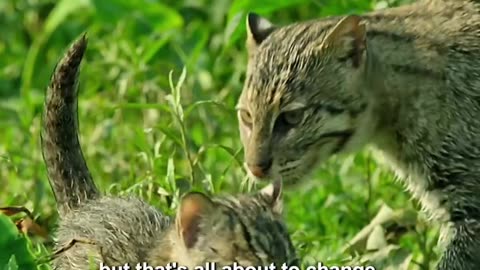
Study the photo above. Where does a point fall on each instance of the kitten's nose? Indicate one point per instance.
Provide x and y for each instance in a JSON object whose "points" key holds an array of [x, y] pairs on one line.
{"points": [[260, 170]]}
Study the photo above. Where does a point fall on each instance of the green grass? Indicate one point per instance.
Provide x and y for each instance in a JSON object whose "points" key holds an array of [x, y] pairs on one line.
{"points": [[158, 88]]}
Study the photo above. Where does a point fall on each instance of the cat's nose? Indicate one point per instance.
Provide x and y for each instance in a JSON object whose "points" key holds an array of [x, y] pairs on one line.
{"points": [[260, 170]]}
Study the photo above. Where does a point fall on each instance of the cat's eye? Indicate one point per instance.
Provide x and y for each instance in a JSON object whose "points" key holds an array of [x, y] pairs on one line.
{"points": [[293, 117], [245, 116]]}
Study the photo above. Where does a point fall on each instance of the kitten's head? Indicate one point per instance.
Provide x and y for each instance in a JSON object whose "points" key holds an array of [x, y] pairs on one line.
{"points": [[247, 229], [305, 95]]}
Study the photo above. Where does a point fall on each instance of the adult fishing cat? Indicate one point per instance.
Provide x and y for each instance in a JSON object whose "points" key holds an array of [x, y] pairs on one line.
{"points": [[405, 80]]}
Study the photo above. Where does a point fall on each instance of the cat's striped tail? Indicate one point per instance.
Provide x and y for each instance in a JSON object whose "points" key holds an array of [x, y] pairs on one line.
{"points": [[69, 177]]}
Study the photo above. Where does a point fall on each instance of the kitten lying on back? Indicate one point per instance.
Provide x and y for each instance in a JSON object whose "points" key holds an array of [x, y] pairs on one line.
{"points": [[247, 229]]}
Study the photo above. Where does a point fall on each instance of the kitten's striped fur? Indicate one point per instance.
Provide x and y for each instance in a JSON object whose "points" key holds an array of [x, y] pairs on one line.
{"points": [[406, 80], [247, 229]]}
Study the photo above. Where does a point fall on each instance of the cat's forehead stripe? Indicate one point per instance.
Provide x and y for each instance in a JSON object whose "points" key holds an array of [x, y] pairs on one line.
{"points": [[271, 100], [265, 234], [277, 68]]}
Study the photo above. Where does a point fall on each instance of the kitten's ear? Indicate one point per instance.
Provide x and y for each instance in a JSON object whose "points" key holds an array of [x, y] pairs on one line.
{"points": [[273, 194], [194, 206], [258, 29], [347, 39]]}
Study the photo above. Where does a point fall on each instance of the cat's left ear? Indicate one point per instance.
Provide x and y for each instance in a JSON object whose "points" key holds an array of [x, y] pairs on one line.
{"points": [[273, 194], [347, 40], [194, 208], [258, 29]]}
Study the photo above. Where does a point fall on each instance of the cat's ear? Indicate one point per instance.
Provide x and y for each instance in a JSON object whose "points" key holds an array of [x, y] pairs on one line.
{"points": [[194, 206], [347, 40], [273, 194], [258, 29]]}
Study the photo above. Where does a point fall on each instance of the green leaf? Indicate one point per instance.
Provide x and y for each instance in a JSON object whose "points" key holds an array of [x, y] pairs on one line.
{"points": [[155, 13], [152, 48], [14, 251], [170, 177], [171, 134], [58, 15], [61, 12]]}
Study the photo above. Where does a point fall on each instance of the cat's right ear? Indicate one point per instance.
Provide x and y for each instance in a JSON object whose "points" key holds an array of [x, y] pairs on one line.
{"points": [[258, 29], [347, 40], [194, 206]]}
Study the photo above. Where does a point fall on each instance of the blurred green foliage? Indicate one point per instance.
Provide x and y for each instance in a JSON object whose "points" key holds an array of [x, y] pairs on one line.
{"points": [[14, 252], [145, 133]]}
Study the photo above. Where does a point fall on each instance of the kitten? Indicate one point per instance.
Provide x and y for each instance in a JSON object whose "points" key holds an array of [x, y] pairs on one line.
{"points": [[246, 229]]}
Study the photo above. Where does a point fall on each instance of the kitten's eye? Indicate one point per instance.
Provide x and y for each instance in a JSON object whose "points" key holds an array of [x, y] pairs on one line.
{"points": [[245, 116], [294, 117]]}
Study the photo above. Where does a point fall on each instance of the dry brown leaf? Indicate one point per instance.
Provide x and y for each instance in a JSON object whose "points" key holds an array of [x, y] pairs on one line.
{"points": [[71, 244], [385, 218], [27, 225], [13, 210]]}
